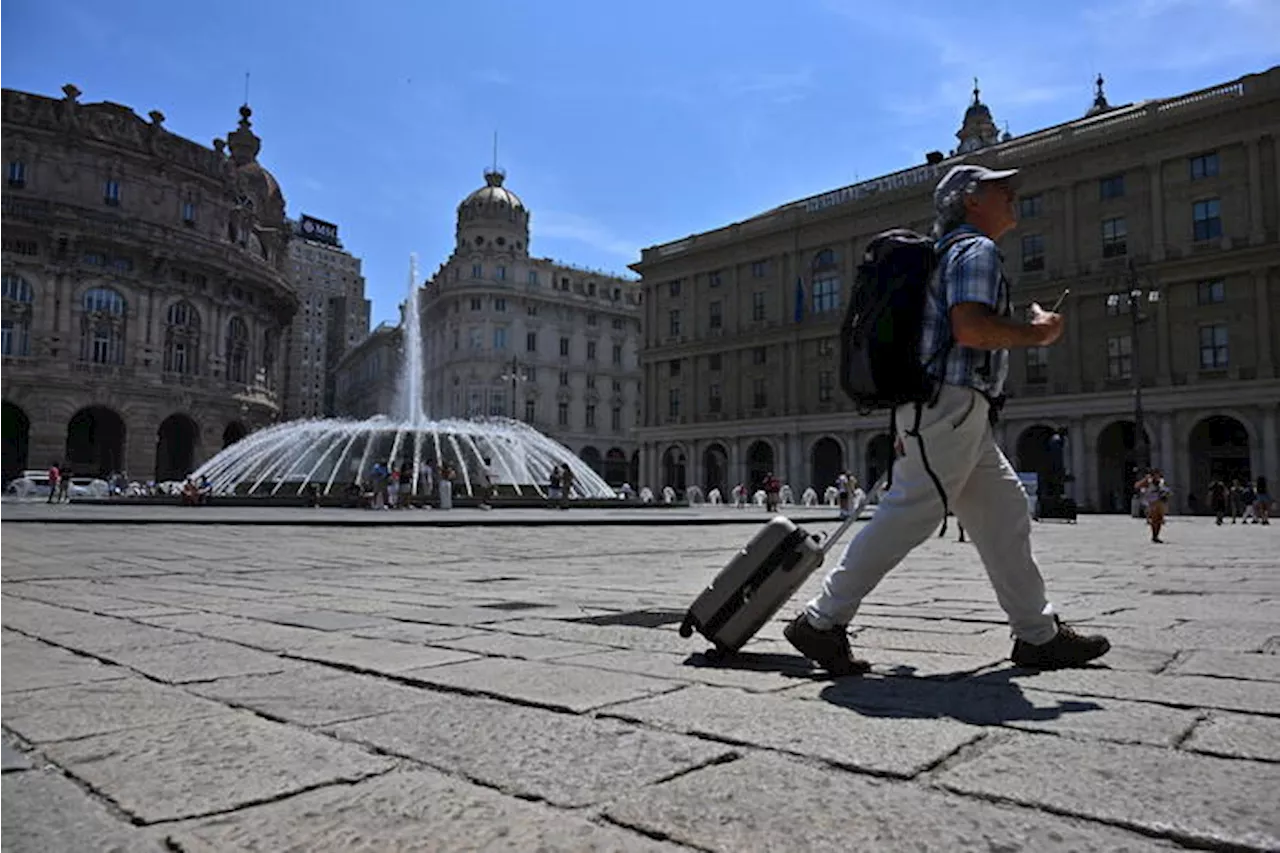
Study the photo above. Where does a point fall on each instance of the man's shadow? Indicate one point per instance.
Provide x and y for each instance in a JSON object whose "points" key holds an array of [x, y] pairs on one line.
{"points": [[982, 697]]}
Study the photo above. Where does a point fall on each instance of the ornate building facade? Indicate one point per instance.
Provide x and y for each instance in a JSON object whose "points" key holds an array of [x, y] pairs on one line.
{"points": [[1177, 196], [554, 345], [145, 289]]}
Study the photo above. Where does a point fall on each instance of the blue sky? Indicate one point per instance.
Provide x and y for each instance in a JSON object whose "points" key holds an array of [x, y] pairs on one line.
{"points": [[620, 125]]}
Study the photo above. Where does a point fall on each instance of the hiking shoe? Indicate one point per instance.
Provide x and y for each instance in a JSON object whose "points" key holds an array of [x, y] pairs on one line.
{"points": [[1067, 649], [828, 649]]}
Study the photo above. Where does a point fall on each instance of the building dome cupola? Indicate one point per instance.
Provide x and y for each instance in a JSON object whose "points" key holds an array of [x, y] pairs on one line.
{"points": [[493, 218], [1100, 104], [979, 128]]}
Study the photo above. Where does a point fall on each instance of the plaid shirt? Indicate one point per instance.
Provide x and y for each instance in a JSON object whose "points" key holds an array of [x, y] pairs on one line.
{"points": [[968, 271]]}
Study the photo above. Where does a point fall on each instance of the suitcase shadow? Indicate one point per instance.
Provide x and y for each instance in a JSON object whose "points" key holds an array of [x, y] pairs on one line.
{"points": [[792, 666]]}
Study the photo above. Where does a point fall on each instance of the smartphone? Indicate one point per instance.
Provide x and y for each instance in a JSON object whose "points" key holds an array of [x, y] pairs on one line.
{"points": [[1058, 304]]}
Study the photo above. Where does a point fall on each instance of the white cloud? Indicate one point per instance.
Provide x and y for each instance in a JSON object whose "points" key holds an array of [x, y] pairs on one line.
{"points": [[779, 87], [582, 229], [493, 77]]}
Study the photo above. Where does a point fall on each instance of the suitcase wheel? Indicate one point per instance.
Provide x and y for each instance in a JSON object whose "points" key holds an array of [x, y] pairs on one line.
{"points": [[686, 628], [717, 654]]}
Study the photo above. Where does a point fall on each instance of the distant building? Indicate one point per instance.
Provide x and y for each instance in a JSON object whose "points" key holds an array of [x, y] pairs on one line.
{"points": [[145, 289], [741, 347], [332, 317], [364, 378]]}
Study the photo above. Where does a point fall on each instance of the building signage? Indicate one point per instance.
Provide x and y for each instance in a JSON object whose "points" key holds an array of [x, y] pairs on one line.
{"points": [[318, 229], [896, 181]]}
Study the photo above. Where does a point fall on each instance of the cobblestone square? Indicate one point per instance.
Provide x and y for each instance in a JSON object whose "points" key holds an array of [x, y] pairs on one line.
{"points": [[224, 687]]}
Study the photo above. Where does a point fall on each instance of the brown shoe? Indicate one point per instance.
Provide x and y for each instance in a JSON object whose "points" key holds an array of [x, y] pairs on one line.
{"points": [[828, 649], [1067, 649]]}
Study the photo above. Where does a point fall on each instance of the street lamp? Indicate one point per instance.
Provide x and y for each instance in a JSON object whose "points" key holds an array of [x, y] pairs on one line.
{"points": [[1133, 301], [514, 375]]}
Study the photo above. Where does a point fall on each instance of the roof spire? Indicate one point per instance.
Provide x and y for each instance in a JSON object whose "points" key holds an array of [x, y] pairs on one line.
{"points": [[246, 88], [493, 176], [976, 99], [1099, 98]]}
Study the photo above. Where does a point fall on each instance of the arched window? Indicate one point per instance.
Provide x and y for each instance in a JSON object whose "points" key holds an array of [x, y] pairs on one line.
{"points": [[15, 329], [102, 326], [825, 259], [182, 339], [237, 351]]}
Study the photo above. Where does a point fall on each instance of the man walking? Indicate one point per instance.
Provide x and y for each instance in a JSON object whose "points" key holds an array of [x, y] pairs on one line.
{"points": [[968, 330]]}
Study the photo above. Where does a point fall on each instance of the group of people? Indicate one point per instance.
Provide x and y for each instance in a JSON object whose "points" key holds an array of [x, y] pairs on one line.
{"points": [[1245, 502]]}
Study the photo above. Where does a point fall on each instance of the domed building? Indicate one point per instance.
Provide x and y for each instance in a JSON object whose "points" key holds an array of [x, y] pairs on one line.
{"points": [[555, 345], [145, 289]]}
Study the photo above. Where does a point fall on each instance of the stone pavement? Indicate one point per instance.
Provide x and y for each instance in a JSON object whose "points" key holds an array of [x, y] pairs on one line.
{"points": [[224, 688]]}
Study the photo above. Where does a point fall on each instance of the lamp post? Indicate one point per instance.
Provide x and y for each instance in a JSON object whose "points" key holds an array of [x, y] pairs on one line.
{"points": [[514, 375], [1133, 301]]}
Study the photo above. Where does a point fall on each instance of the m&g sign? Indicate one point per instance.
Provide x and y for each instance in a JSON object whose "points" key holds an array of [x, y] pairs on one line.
{"points": [[318, 229]]}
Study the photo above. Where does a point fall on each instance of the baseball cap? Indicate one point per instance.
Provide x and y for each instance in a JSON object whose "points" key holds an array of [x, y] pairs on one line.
{"points": [[962, 176]]}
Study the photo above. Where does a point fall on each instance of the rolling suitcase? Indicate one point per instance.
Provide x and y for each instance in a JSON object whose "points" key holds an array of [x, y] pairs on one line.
{"points": [[758, 581]]}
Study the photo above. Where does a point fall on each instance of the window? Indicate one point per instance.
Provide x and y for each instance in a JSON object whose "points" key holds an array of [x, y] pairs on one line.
{"points": [[617, 386], [591, 416], [757, 306], [673, 320], [674, 286], [615, 418], [593, 320], [476, 303], [182, 339], [456, 335], [1115, 237], [759, 269], [1037, 365], [564, 347], [617, 354], [237, 350], [500, 273], [715, 402], [189, 212], [759, 355], [531, 342], [591, 350], [530, 410], [500, 338], [530, 373], [591, 288], [1033, 253], [1204, 166], [714, 278], [111, 193], [564, 282], [564, 379], [15, 329], [1206, 218], [17, 174], [826, 347], [673, 367], [1211, 292], [102, 326], [531, 310], [826, 295], [477, 270], [1213, 347], [1030, 206], [616, 324], [759, 399], [1119, 357], [824, 259], [477, 337], [500, 304], [562, 414], [533, 277], [714, 361], [591, 380], [826, 386], [715, 315], [673, 402], [1111, 187]]}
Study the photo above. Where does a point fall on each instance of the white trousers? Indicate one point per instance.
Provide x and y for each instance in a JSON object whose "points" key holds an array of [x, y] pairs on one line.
{"points": [[984, 493]]}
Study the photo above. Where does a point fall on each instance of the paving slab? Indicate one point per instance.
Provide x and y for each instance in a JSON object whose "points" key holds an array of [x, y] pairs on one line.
{"points": [[202, 660], [773, 803], [400, 812], [81, 710], [209, 764], [12, 758], [1237, 736], [416, 632], [1178, 794], [1188, 691], [495, 644], [551, 685], [755, 672], [256, 633], [46, 812], [385, 656], [1238, 665], [565, 759], [29, 665], [878, 744]]}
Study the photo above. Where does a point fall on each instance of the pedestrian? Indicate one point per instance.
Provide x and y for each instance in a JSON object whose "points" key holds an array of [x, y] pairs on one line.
{"points": [[967, 331], [1262, 501], [1218, 500], [1154, 493], [55, 477]]}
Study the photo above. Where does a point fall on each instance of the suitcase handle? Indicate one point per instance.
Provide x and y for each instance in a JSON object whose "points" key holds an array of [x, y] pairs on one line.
{"points": [[830, 539]]}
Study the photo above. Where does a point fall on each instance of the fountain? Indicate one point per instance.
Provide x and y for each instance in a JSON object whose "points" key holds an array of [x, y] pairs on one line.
{"points": [[330, 456]]}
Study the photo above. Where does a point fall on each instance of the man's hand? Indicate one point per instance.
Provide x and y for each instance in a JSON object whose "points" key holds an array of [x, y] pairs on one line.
{"points": [[1047, 324]]}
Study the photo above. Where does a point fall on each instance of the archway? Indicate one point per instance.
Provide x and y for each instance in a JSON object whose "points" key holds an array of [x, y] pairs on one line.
{"points": [[95, 442], [233, 433], [16, 429], [879, 457], [615, 466], [591, 457], [826, 462], [176, 442], [759, 464], [1117, 466], [1219, 448], [1035, 455], [673, 469], [715, 466]]}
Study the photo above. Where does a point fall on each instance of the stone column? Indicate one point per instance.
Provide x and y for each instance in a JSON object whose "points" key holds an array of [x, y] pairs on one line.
{"points": [[1070, 253], [1257, 233], [1169, 457], [1270, 463], [796, 477], [1263, 309], [1075, 326], [734, 474], [1089, 464], [1075, 461], [1164, 344], [1157, 212]]}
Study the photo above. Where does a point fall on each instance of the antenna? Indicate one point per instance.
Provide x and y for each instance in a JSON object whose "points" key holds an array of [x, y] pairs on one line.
{"points": [[246, 87], [495, 151]]}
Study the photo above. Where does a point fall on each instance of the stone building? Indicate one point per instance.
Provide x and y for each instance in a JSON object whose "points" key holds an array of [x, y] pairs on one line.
{"points": [[332, 317], [1177, 195], [145, 289], [554, 345], [364, 383]]}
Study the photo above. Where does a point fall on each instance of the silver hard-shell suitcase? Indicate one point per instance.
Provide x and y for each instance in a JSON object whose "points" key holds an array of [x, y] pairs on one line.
{"points": [[758, 581]]}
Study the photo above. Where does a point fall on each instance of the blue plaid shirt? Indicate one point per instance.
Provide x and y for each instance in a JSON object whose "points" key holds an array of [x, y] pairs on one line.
{"points": [[970, 270]]}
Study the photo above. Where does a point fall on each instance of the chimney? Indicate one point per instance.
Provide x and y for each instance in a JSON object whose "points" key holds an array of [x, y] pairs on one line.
{"points": [[933, 158]]}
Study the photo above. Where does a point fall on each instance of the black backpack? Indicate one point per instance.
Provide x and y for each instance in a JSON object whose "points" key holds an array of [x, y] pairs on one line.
{"points": [[880, 365]]}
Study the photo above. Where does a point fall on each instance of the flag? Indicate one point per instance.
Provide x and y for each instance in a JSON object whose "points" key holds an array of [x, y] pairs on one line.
{"points": [[799, 298]]}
